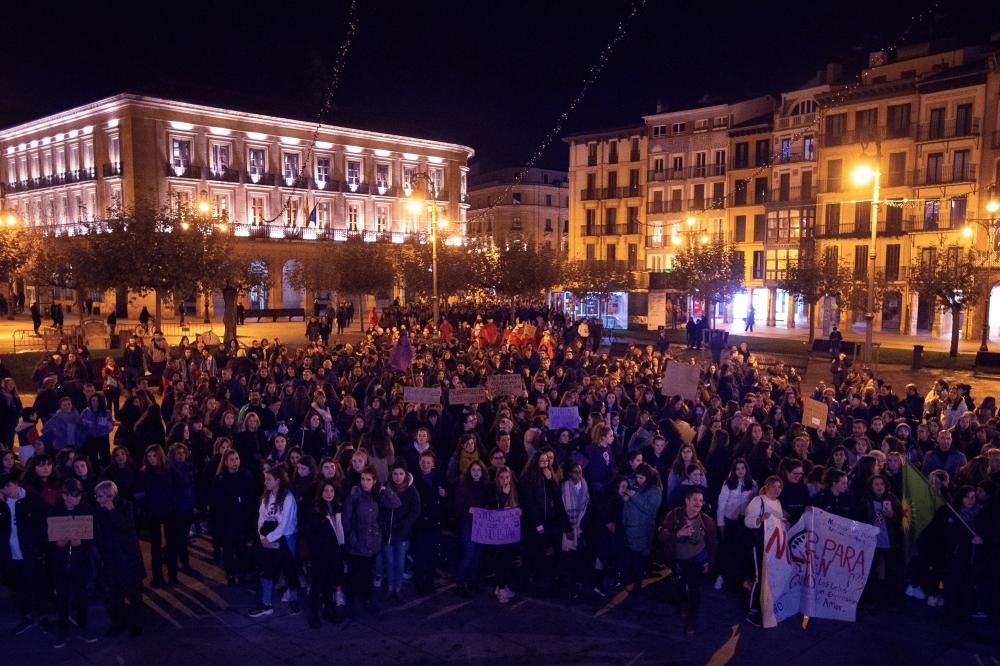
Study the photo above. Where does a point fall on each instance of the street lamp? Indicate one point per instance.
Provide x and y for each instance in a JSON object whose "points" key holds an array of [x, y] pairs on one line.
{"points": [[10, 221], [862, 176], [415, 207]]}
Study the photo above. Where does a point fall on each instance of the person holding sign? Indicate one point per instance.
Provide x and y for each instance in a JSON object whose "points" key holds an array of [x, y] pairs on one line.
{"points": [[72, 562], [544, 518], [503, 496]]}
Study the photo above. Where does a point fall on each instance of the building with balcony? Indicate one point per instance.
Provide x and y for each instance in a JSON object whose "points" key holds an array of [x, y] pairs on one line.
{"points": [[535, 210], [919, 118], [272, 178]]}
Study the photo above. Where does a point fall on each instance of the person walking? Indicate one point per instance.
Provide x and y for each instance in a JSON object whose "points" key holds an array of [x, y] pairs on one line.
{"points": [[751, 315], [690, 543]]}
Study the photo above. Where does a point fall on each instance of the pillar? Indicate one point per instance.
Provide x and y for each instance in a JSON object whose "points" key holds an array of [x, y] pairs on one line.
{"points": [[771, 305], [790, 311], [277, 283]]}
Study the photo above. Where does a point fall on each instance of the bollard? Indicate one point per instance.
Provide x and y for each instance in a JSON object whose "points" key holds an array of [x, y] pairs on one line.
{"points": [[918, 351]]}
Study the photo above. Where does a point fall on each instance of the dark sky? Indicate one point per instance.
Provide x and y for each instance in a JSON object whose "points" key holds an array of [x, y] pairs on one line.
{"points": [[490, 74]]}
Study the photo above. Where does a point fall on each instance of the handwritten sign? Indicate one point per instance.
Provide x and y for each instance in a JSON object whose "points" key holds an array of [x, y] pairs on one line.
{"points": [[814, 413], [530, 331], [564, 417], [505, 385], [66, 528], [467, 396], [681, 379], [818, 568], [496, 528], [423, 396]]}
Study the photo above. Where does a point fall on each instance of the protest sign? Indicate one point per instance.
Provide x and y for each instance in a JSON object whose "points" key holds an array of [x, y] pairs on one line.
{"points": [[66, 528], [681, 379], [466, 396], [814, 413], [496, 528], [423, 396], [504, 385], [564, 417], [818, 568]]}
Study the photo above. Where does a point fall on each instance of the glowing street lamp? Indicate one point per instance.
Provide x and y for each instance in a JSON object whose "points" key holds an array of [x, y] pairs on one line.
{"points": [[415, 205], [862, 175]]}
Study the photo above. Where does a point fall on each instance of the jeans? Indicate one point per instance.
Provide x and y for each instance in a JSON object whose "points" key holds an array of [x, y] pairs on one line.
{"points": [[692, 572], [159, 531], [394, 558], [468, 564], [71, 586]]}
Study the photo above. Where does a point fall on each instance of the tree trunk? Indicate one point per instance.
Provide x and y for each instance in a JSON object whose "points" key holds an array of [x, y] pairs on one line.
{"points": [[158, 308], [812, 323], [956, 315], [711, 311], [229, 295], [79, 302]]}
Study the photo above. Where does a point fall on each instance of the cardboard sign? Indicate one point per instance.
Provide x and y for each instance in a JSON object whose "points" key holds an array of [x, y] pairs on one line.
{"points": [[681, 379], [818, 567], [564, 417], [423, 396], [815, 413], [467, 396], [505, 385], [530, 331], [496, 528], [66, 528]]}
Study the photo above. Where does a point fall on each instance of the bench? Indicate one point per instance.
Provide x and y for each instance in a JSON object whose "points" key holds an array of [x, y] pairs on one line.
{"points": [[274, 313], [846, 346]]}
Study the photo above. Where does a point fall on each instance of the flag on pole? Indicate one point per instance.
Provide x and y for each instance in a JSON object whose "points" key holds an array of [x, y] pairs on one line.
{"points": [[312, 216], [920, 503]]}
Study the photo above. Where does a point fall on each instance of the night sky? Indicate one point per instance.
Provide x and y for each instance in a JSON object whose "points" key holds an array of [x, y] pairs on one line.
{"points": [[493, 75]]}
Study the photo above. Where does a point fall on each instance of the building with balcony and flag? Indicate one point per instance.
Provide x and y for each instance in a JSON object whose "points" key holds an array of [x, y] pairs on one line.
{"points": [[288, 185]]}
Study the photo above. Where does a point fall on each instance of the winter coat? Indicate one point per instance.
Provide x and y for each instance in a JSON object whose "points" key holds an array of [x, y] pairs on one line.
{"points": [[323, 534], [118, 544], [70, 556], [677, 519], [64, 430], [541, 502], [360, 517], [96, 424], [183, 493], [433, 507], [32, 530], [839, 505], [639, 518], [233, 505], [154, 490], [397, 523]]}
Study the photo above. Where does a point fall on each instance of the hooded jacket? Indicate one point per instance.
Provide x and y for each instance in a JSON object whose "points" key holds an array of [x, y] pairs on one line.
{"points": [[397, 522]]}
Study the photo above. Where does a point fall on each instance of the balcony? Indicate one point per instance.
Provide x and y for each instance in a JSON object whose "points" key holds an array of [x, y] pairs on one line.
{"points": [[355, 187], [863, 229], [224, 174], [111, 170], [954, 130], [792, 158], [183, 171], [932, 224], [791, 196], [627, 229], [256, 177], [670, 206], [708, 203], [668, 174], [52, 180], [706, 171], [298, 182], [947, 174], [282, 232], [867, 135], [384, 190], [325, 185], [893, 274]]}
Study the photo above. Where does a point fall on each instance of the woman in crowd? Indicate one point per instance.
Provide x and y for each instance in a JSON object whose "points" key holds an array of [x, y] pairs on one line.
{"points": [[472, 492], [503, 496], [544, 519], [324, 534], [363, 533], [760, 508], [277, 525], [397, 525], [879, 507], [736, 494], [155, 492], [122, 568], [641, 502], [233, 513], [97, 424]]}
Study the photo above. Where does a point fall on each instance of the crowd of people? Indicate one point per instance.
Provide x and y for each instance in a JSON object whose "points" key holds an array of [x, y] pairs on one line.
{"points": [[314, 478]]}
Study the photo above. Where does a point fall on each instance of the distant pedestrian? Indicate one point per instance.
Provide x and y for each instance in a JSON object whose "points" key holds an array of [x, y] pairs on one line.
{"points": [[36, 316], [751, 315], [836, 337]]}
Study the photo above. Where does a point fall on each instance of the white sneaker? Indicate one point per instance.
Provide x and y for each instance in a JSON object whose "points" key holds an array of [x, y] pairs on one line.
{"points": [[718, 583], [377, 582], [339, 598], [286, 597], [915, 592]]}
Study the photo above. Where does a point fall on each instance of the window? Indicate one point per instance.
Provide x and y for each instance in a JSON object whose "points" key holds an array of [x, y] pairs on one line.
{"points": [[612, 183], [220, 158], [678, 128], [836, 129], [659, 130], [935, 162], [835, 175], [786, 150], [806, 184], [787, 226], [860, 261], [633, 182], [897, 170], [961, 166], [678, 164], [718, 195], [740, 229], [591, 222], [758, 265], [632, 220], [291, 167], [354, 216], [515, 198], [590, 253], [898, 124], [740, 193], [760, 190], [634, 150], [958, 207], [181, 152], [354, 172], [256, 163], [381, 219], [741, 155], [762, 153], [863, 217], [809, 148], [778, 262], [408, 173], [221, 204], [60, 163], [935, 124], [701, 125], [963, 120], [591, 154], [610, 217], [932, 214], [548, 199], [658, 165], [613, 152], [784, 186], [832, 219], [437, 177], [292, 213], [515, 224], [699, 165], [323, 214], [74, 159], [759, 227], [322, 169], [699, 197], [612, 253], [892, 261], [382, 175], [258, 210], [866, 124], [633, 256], [548, 225]]}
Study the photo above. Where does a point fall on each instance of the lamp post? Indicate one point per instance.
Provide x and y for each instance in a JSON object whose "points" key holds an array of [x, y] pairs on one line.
{"points": [[431, 186], [9, 221], [992, 226], [863, 175]]}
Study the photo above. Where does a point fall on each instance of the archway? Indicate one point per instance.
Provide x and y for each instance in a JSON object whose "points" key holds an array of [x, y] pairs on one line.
{"points": [[290, 297], [257, 296]]}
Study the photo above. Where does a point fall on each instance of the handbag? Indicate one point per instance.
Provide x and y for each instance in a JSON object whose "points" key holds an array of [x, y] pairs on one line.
{"points": [[268, 526]]}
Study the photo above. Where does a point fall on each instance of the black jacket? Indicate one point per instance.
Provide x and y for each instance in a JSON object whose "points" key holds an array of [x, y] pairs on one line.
{"points": [[70, 556], [32, 532], [397, 523], [118, 544], [840, 505], [541, 501], [234, 505]]}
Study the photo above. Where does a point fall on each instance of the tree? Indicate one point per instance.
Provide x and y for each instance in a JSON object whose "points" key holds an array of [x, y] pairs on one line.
{"points": [[226, 269], [811, 278], [17, 247], [712, 272], [953, 277], [523, 268], [599, 277]]}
